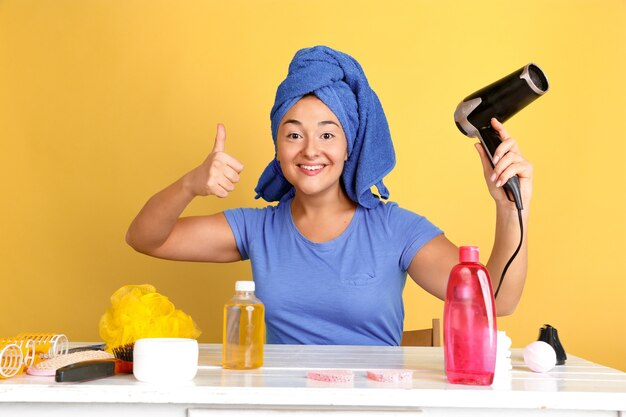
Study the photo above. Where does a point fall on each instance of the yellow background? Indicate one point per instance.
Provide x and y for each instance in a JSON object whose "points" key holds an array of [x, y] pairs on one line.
{"points": [[103, 103]]}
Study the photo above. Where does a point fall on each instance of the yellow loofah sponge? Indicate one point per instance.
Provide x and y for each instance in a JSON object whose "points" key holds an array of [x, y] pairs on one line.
{"points": [[138, 311]]}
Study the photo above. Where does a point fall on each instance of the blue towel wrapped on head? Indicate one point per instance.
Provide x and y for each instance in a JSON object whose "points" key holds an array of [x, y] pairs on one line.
{"points": [[339, 82]]}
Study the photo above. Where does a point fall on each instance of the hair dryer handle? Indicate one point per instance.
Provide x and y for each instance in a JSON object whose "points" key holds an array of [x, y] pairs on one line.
{"points": [[490, 140]]}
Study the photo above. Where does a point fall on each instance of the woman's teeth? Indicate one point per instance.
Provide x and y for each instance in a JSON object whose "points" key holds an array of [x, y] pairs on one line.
{"points": [[312, 167]]}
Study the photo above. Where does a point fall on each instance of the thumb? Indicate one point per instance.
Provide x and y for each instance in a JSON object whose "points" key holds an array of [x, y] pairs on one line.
{"points": [[484, 158], [220, 138]]}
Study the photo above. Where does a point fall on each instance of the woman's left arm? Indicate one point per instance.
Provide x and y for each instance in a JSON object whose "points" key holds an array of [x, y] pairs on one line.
{"points": [[431, 265], [508, 162]]}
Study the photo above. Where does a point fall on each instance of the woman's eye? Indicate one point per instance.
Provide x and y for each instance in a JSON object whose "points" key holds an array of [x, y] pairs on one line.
{"points": [[293, 136], [327, 136]]}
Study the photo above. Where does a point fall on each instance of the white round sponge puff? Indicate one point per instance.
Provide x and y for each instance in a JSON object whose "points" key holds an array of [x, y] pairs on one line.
{"points": [[539, 356]]}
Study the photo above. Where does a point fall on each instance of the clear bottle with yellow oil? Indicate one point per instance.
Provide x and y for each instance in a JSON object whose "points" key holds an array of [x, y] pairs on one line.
{"points": [[244, 329]]}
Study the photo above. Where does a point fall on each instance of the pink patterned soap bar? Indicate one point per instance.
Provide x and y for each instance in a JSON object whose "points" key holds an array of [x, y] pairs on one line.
{"points": [[390, 375], [331, 375]]}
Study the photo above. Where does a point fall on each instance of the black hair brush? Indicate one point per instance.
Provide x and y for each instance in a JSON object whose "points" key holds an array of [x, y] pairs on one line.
{"points": [[102, 368]]}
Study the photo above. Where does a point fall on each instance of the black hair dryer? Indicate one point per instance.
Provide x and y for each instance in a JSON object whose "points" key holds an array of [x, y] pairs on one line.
{"points": [[501, 100]]}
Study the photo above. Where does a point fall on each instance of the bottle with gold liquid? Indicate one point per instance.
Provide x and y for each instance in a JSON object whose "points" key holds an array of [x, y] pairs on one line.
{"points": [[244, 329]]}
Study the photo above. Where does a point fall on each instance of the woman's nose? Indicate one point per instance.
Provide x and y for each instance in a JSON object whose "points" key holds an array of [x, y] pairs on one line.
{"points": [[310, 149]]}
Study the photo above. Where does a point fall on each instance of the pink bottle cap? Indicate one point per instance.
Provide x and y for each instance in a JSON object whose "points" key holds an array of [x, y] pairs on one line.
{"points": [[468, 254]]}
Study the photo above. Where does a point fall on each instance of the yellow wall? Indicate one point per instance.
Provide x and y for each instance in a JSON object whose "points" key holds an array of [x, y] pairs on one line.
{"points": [[102, 103]]}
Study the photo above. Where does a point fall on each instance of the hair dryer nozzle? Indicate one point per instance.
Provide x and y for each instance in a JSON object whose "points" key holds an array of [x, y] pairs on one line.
{"points": [[536, 78]]}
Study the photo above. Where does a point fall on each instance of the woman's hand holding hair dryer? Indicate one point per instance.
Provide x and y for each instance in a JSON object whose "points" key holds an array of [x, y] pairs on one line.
{"points": [[508, 161]]}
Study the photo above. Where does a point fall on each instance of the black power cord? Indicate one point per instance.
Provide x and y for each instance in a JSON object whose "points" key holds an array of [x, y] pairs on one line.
{"points": [[521, 239]]}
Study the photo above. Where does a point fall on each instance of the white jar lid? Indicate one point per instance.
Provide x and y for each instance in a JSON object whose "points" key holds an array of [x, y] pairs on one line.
{"points": [[244, 286], [165, 360]]}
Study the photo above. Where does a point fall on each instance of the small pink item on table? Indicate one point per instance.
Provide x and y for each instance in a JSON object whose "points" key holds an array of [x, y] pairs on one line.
{"points": [[331, 375], [390, 375]]}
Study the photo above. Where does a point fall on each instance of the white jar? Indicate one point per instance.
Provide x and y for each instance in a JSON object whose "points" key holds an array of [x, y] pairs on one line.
{"points": [[161, 360]]}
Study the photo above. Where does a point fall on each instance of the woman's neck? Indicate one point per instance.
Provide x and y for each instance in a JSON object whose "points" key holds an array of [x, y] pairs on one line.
{"points": [[321, 219], [321, 205]]}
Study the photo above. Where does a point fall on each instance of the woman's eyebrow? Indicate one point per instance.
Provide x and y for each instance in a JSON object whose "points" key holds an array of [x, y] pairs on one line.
{"points": [[299, 123]]}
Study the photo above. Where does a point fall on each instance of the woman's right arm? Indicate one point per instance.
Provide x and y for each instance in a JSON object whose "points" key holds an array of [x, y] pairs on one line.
{"points": [[158, 229]]}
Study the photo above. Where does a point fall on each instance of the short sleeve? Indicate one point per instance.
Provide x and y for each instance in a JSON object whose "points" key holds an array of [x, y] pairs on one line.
{"points": [[246, 224], [409, 230]]}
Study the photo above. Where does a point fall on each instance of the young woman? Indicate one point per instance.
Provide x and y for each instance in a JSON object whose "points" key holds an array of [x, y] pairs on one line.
{"points": [[330, 260]]}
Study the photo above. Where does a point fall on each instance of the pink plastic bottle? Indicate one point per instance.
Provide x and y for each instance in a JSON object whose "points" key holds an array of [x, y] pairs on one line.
{"points": [[469, 322]]}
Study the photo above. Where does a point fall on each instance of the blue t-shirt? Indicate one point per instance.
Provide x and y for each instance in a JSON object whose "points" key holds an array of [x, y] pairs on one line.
{"points": [[347, 291]]}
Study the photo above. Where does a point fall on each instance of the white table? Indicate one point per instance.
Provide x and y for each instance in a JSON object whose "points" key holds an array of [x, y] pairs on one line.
{"points": [[281, 388]]}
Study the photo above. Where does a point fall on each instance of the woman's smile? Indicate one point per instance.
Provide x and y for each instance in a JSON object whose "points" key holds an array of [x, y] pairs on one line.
{"points": [[310, 169]]}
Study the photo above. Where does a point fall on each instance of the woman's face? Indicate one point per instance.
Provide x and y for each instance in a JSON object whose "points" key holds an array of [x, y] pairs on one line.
{"points": [[312, 147]]}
